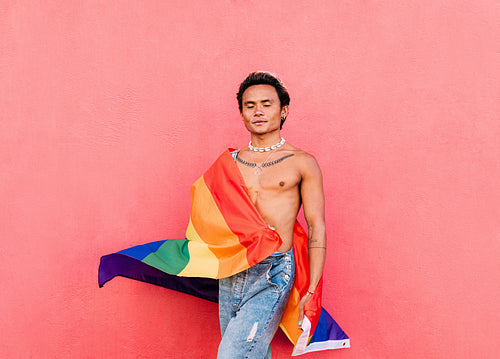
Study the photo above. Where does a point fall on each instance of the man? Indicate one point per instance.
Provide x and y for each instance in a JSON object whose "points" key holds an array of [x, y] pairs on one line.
{"points": [[279, 178], [243, 231]]}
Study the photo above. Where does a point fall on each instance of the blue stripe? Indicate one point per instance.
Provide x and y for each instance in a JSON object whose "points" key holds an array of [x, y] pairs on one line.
{"points": [[327, 329], [142, 251]]}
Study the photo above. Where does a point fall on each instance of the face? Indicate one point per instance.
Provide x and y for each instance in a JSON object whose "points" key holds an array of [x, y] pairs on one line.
{"points": [[261, 109]]}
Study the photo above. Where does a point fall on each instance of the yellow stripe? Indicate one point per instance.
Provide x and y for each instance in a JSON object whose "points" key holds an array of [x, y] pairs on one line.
{"points": [[191, 233], [202, 263]]}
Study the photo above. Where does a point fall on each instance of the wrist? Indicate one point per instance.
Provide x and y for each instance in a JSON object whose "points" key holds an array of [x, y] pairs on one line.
{"points": [[311, 292]]}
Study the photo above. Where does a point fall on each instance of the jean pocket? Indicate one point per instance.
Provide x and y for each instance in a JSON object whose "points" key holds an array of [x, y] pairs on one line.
{"points": [[279, 276]]}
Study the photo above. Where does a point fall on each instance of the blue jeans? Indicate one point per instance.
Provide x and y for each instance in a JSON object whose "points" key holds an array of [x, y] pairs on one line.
{"points": [[251, 304]]}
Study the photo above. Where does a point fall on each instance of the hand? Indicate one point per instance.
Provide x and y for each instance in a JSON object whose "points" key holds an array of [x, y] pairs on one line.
{"points": [[302, 304]]}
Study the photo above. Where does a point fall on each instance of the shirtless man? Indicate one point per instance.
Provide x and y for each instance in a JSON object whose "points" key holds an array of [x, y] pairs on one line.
{"points": [[279, 178]]}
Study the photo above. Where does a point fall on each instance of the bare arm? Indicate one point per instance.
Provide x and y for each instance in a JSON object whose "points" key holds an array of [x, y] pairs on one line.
{"points": [[313, 200]]}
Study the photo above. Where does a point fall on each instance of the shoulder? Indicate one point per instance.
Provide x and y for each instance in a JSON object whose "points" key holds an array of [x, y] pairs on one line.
{"points": [[306, 162]]}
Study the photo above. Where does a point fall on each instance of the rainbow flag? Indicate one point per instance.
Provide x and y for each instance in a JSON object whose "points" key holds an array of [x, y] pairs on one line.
{"points": [[226, 234]]}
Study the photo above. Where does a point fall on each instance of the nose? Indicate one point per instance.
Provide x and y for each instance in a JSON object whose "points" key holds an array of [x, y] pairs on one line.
{"points": [[259, 110]]}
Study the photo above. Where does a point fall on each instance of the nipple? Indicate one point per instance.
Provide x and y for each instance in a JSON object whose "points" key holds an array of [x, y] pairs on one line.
{"points": [[282, 183]]}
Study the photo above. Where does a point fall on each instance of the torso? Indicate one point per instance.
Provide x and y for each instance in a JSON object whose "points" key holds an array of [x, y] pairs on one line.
{"points": [[276, 190]]}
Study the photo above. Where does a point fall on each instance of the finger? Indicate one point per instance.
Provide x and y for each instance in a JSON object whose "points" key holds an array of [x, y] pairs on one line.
{"points": [[301, 314]]}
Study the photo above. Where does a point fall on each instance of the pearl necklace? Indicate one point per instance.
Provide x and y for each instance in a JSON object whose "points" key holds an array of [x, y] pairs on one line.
{"points": [[266, 149]]}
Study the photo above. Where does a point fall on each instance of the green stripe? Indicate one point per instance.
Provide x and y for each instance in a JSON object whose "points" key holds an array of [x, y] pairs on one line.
{"points": [[172, 256]]}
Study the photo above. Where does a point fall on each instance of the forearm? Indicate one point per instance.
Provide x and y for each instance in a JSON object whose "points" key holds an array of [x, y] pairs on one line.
{"points": [[317, 254]]}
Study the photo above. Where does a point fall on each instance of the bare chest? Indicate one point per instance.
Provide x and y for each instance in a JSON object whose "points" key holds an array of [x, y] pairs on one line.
{"points": [[271, 177]]}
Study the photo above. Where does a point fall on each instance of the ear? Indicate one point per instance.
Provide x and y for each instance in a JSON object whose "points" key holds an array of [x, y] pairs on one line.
{"points": [[284, 111]]}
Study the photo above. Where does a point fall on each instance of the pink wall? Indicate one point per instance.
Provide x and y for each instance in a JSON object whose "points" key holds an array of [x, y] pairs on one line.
{"points": [[109, 110]]}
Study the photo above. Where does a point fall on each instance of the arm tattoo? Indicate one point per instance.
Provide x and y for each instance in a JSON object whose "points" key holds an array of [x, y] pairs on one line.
{"points": [[311, 240]]}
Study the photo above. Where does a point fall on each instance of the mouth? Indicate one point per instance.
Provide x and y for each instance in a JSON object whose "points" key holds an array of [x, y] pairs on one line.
{"points": [[259, 122]]}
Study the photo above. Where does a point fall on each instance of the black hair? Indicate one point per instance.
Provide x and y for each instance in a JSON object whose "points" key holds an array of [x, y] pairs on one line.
{"points": [[264, 78]]}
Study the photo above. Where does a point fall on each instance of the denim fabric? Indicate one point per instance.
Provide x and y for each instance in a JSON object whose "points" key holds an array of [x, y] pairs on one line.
{"points": [[251, 304]]}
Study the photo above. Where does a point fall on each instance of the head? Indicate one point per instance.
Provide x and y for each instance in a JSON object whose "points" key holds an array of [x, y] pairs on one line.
{"points": [[264, 78]]}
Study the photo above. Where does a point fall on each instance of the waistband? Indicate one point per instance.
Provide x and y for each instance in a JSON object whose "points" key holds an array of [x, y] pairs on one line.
{"points": [[278, 255]]}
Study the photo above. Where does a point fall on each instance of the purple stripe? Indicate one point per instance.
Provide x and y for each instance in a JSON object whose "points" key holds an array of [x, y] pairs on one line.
{"points": [[117, 264]]}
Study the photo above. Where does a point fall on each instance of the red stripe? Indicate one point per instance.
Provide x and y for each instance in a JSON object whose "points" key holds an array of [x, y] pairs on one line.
{"points": [[313, 307]]}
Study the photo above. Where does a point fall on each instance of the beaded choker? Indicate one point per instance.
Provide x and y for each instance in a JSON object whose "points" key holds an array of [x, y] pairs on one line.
{"points": [[266, 149]]}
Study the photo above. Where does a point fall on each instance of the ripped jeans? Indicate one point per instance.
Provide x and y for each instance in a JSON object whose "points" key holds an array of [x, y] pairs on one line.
{"points": [[251, 304]]}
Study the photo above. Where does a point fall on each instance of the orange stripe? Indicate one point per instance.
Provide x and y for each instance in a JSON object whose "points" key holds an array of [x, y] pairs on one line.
{"points": [[290, 320], [214, 231]]}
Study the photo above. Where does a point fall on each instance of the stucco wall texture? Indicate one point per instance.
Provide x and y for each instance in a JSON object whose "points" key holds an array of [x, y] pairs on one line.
{"points": [[109, 110]]}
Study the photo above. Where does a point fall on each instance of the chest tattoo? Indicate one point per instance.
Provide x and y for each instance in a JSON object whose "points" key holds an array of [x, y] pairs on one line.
{"points": [[265, 164]]}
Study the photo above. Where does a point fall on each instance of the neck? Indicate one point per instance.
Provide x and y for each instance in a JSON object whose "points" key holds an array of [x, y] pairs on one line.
{"points": [[266, 140]]}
